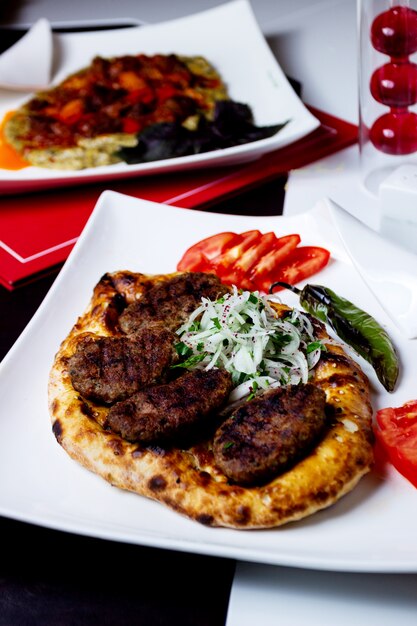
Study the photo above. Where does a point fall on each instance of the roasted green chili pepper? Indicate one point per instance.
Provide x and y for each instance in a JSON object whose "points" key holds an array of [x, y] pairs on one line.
{"points": [[354, 326]]}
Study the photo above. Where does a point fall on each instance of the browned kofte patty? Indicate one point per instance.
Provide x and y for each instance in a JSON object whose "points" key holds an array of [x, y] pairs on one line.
{"points": [[171, 301], [109, 369], [171, 411], [264, 436]]}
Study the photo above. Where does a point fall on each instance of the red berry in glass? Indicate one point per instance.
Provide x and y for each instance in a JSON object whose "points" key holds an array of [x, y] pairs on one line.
{"points": [[394, 32], [395, 84], [395, 133]]}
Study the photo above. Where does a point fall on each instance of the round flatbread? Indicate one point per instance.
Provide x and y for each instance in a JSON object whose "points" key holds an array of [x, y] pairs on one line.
{"points": [[187, 480]]}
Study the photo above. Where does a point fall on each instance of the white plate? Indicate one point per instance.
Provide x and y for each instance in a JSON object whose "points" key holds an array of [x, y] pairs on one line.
{"points": [[371, 529], [231, 39]]}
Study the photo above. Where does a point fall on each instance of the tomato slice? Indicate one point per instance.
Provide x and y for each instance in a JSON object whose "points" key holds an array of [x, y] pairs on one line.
{"points": [[266, 263], [262, 246], [197, 257], [232, 253], [300, 263], [224, 265], [237, 273], [253, 260], [396, 432]]}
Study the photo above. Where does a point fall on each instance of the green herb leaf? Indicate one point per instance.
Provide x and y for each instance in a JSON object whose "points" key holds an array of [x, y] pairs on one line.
{"points": [[191, 361], [315, 345], [182, 349], [216, 322]]}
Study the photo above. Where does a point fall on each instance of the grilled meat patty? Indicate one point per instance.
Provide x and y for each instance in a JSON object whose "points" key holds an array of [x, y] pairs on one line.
{"points": [[267, 434], [109, 369], [170, 411], [171, 301]]}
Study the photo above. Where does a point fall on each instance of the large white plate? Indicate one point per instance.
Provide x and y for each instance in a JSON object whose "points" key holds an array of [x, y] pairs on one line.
{"points": [[371, 529], [231, 39]]}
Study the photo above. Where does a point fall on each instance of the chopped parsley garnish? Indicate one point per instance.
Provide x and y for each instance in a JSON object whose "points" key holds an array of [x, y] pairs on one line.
{"points": [[315, 345], [182, 349], [191, 361]]}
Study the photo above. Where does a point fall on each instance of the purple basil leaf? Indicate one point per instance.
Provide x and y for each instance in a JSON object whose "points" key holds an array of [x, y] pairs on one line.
{"points": [[232, 125]]}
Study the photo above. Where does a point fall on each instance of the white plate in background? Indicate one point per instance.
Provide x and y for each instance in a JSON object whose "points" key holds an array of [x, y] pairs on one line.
{"points": [[370, 529], [230, 38]]}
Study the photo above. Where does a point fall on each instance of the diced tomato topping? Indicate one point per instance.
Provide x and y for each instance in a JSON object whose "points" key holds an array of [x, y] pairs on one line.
{"points": [[396, 433], [129, 125], [165, 92], [145, 95], [131, 81], [72, 111]]}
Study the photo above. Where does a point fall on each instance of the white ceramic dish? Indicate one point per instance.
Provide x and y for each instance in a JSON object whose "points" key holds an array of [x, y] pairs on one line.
{"points": [[231, 39], [371, 529]]}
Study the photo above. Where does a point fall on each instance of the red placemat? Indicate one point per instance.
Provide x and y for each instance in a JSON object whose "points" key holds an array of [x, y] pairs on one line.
{"points": [[38, 231]]}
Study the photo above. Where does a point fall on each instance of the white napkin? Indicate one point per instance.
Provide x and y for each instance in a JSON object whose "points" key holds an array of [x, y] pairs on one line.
{"points": [[26, 66], [389, 270], [266, 595]]}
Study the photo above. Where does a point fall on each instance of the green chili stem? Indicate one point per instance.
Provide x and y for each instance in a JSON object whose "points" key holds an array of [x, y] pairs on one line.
{"points": [[279, 283]]}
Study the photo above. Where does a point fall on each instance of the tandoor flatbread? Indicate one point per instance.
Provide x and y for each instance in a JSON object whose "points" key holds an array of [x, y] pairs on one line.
{"points": [[122, 408]]}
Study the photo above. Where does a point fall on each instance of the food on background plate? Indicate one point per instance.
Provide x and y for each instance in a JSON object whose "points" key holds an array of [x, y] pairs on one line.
{"points": [[396, 432], [254, 260], [177, 387], [132, 108]]}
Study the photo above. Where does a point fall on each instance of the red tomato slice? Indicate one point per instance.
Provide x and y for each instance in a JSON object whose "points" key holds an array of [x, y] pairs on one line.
{"points": [[224, 265], [237, 273], [299, 264], [233, 253], [197, 257], [253, 260], [229, 276], [252, 255], [282, 247], [396, 432]]}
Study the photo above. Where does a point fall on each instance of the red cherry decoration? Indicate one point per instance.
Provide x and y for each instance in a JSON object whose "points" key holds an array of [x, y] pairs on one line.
{"points": [[394, 32], [395, 133], [395, 84]]}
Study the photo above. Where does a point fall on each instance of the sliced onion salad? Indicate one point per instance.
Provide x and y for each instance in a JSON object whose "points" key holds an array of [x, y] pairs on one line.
{"points": [[241, 333]]}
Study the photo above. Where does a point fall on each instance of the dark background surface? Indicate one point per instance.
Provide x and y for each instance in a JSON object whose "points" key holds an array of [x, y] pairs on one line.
{"points": [[50, 577]]}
